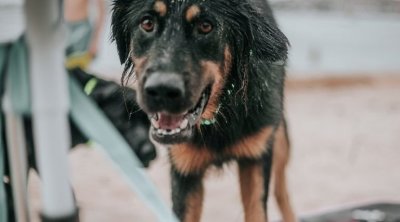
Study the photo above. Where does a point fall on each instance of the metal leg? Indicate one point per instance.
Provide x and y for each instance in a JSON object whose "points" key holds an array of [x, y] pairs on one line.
{"points": [[3, 195], [46, 38], [18, 162]]}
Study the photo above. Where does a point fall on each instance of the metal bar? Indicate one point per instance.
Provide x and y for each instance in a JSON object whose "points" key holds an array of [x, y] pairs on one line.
{"points": [[18, 161]]}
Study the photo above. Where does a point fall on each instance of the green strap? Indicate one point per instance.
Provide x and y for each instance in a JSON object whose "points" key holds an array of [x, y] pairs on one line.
{"points": [[3, 196], [90, 86], [97, 127]]}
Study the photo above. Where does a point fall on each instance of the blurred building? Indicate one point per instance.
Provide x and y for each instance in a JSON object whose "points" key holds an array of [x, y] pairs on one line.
{"points": [[341, 37], [349, 6]]}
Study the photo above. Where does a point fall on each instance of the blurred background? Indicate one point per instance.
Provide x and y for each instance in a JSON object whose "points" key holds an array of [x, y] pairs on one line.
{"points": [[343, 108], [340, 37]]}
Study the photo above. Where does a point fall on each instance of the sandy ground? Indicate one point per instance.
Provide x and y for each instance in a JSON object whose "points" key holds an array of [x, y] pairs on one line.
{"points": [[345, 149]]}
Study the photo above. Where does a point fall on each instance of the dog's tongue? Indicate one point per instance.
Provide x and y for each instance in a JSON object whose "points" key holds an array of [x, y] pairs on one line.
{"points": [[169, 121]]}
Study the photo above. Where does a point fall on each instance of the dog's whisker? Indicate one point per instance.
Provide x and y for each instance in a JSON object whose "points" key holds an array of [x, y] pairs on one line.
{"points": [[131, 113]]}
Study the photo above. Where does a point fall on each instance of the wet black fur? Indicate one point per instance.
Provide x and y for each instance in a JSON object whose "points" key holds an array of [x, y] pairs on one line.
{"points": [[253, 94]]}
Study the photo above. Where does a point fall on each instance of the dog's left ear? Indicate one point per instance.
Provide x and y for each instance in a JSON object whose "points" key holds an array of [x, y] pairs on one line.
{"points": [[268, 41], [258, 33], [121, 31]]}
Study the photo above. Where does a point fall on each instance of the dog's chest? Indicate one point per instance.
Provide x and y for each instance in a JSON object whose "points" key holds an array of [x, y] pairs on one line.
{"points": [[189, 159]]}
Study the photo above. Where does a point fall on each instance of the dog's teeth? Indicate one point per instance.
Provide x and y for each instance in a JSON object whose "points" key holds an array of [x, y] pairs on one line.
{"points": [[175, 131], [155, 123], [184, 124], [168, 132]]}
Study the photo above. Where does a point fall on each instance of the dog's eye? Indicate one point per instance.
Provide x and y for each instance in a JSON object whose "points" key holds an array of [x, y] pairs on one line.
{"points": [[147, 24], [204, 27]]}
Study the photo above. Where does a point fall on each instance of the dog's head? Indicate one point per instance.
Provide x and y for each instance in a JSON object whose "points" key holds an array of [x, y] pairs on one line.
{"points": [[182, 53]]}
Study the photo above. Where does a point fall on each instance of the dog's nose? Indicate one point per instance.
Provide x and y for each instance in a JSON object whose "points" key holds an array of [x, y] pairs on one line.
{"points": [[164, 90]]}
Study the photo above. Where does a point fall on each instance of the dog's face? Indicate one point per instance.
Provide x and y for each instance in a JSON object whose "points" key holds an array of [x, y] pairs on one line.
{"points": [[181, 54]]}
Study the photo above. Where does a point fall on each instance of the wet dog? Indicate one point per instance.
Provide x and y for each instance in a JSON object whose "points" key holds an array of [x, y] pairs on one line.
{"points": [[210, 76]]}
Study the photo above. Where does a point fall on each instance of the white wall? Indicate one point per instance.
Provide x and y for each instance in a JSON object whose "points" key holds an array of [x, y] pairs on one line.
{"points": [[338, 43]]}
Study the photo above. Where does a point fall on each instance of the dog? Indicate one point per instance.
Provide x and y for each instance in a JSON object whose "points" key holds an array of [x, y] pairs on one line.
{"points": [[210, 76]]}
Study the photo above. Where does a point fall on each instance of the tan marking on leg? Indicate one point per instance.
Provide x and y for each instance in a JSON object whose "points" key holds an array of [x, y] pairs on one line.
{"points": [[252, 192], [188, 159], [192, 12], [161, 8], [252, 146], [280, 160], [194, 205]]}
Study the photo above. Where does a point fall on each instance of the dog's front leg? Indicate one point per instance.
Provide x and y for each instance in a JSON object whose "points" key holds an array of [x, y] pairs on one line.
{"points": [[254, 178], [187, 195]]}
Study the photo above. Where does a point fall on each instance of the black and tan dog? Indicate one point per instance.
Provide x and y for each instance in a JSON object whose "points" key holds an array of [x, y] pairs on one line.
{"points": [[210, 76]]}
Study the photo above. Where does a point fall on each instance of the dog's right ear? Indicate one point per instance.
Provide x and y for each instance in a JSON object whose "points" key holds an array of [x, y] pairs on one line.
{"points": [[121, 28]]}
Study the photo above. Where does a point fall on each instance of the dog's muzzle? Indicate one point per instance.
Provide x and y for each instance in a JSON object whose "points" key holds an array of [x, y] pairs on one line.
{"points": [[164, 92], [167, 106]]}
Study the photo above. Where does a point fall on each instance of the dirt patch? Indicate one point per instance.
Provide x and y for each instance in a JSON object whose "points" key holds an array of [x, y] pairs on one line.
{"points": [[339, 82]]}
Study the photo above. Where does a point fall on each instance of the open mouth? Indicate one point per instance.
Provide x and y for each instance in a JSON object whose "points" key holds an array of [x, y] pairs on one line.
{"points": [[169, 128]]}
